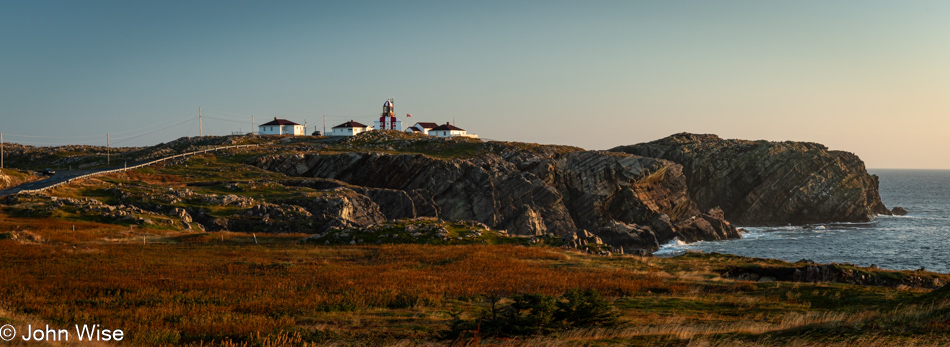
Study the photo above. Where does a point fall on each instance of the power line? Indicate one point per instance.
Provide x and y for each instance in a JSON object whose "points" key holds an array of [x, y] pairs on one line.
{"points": [[151, 132], [53, 137], [226, 120], [96, 139], [78, 139], [33, 143], [228, 114], [192, 127], [156, 124]]}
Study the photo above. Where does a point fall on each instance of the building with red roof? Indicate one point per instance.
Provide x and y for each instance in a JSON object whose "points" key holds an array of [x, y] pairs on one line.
{"points": [[449, 130], [421, 128], [280, 127], [350, 128]]}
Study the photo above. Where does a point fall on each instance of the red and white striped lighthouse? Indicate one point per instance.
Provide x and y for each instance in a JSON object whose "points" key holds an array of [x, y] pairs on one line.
{"points": [[388, 120]]}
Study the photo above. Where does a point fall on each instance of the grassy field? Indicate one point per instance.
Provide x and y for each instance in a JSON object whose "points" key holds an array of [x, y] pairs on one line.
{"points": [[198, 288], [164, 285], [91, 157]]}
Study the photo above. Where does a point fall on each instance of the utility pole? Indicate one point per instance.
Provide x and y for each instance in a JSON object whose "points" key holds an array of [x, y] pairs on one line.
{"points": [[1, 150], [199, 121], [324, 133], [252, 124], [108, 149]]}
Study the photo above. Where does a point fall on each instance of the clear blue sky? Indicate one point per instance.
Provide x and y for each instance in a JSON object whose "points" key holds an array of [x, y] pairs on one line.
{"points": [[870, 77]]}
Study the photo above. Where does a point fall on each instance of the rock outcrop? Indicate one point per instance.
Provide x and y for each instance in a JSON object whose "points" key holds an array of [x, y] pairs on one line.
{"points": [[7, 181], [314, 212], [807, 271], [633, 201], [14, 178], [770, 183]]}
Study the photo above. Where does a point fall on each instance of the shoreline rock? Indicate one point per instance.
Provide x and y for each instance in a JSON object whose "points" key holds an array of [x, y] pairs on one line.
{"points": [[770, 183], [806, 271]]}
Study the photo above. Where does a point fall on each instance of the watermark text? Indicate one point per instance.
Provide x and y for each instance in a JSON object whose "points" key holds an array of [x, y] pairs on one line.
{"points": [[85, 332]]}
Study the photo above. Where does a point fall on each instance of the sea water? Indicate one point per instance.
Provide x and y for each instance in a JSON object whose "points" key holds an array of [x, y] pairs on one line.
{"points": [[921, 239]]}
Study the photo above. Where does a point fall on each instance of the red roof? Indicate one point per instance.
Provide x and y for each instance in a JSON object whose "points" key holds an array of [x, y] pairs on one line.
{"points": [[415, 129], [279, 122], [351, 124], [447, 126], [427, 125]]}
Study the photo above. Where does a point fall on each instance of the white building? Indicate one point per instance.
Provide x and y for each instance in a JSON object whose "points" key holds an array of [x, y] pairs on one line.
{"points": [[387, 119], [350, 128], [280, 127], [449, 130], [421, 128]]}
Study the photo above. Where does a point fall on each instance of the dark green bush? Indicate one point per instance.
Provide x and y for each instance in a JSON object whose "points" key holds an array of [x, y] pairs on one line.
{"points": [[538, 314], [585, 308]]}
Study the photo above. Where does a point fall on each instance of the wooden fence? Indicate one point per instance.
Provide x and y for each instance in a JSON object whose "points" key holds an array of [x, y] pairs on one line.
{"points": [[105, 172]]}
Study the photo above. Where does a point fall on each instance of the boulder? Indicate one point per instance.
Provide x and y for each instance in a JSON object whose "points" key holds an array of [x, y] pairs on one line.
{"points": [[181, 214], [628, 236]]}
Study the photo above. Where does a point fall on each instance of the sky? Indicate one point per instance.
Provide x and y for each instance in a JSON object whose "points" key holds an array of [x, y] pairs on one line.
{"points": [[868, 77]]}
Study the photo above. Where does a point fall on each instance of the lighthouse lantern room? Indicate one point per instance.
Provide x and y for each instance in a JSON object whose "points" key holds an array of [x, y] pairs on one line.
{"points": [[388, 120]]}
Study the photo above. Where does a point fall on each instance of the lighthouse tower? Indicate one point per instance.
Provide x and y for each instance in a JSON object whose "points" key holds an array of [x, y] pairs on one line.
{"points": [[388, 120]]}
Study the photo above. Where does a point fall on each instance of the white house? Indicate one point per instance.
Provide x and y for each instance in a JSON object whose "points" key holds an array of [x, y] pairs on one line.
{"points": [[387, 119], [449, 130], [280, 127], [350, 128], [421, 128]]}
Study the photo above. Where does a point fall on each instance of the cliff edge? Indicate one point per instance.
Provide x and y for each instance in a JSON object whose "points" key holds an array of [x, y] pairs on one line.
{"points": [[584, 196], [770, 183]]}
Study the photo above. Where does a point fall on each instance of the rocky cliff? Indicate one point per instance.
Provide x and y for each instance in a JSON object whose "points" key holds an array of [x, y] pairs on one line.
{"points": [[769, 183], [12, 178], [626, 200]]}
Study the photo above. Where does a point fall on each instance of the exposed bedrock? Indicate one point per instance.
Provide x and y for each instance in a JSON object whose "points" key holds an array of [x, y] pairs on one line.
{"points": [[638, 202], [770, 183]]}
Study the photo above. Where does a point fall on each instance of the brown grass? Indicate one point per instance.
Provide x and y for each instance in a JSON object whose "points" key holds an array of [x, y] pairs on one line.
{"points": [[205, 291], [225, 289], [61, 231], [152, 178]]}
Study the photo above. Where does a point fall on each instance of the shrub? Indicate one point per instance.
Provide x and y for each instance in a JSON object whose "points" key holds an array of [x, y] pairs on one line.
{"points": [[585, 308], [530, 314], [538, 314]]}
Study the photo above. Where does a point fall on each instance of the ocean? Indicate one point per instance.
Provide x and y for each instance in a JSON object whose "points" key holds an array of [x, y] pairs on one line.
{"points": [[919, 239]]}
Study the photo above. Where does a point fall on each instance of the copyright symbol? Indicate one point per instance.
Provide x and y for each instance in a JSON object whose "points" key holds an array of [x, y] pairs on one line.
{"points": [[7, 332]]}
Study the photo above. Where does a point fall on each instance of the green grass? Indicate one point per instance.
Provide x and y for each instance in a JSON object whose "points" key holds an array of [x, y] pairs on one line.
{"points": [[423, 231]]}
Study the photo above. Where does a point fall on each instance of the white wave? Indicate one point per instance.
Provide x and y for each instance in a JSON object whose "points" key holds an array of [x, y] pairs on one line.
{"points": [[917, 217], [907, 216], [675, 247]]}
